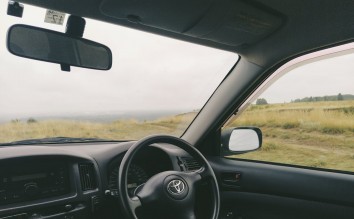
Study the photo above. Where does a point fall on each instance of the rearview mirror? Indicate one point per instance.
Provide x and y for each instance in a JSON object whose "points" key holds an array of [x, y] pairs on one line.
{"points": [[241, 140], [51, 46]]}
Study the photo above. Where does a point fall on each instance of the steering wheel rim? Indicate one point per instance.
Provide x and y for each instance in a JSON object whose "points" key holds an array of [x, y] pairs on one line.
{"points": [[131, 204]]}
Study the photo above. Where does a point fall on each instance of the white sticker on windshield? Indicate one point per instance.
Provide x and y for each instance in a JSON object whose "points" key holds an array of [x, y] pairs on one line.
{"points": [[54, 17]]}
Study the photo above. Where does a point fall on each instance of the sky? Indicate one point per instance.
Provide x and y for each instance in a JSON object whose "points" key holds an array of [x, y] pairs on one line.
{"points": [[326, 77], [149, 73]]}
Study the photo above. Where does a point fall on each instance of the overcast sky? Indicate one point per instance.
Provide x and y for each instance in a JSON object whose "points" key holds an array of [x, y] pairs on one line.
{"points": [[325, 77], [149, 73]]}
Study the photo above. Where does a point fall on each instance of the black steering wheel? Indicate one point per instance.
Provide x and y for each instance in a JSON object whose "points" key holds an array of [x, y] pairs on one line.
{"points": [[170, 191]]}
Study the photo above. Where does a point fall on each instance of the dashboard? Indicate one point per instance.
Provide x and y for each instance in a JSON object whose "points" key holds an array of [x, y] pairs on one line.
{"points": [[77, 180]]}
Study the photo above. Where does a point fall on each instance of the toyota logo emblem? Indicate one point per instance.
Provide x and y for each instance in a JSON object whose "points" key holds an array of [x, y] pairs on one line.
{"points": [[176, 187]]}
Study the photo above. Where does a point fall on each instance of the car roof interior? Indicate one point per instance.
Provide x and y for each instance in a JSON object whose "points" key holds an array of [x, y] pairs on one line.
{"points": [[250, 28]]}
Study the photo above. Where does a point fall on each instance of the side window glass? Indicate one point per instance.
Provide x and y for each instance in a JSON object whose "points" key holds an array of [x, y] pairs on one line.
{"points": [[307, 116]]}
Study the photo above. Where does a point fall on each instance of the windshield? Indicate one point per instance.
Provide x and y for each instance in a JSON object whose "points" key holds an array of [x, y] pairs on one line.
{"points": [[156, 85]]}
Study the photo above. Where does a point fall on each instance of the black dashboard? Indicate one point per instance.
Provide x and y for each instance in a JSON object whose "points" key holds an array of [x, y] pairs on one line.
{"points": [[76, 180]]}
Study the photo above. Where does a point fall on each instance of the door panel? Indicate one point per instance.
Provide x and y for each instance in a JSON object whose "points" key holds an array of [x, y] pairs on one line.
{"points": [[273, 191]]}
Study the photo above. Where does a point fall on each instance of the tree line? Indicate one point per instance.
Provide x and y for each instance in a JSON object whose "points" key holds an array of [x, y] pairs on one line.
{"points": [[339, 97]]}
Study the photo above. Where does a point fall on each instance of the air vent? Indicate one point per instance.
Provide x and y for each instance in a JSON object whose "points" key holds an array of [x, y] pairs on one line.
{"points": [[189, 164], [87, 176]]}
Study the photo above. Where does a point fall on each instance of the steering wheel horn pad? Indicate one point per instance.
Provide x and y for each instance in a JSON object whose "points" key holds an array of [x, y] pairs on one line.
{"points": [[176, 187]]}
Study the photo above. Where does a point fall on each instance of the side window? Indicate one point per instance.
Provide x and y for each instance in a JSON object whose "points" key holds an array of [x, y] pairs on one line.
{"points": [[307, 116]]}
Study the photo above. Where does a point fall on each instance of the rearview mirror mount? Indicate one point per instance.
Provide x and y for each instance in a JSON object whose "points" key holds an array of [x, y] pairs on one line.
{"points": [[56, 47]]}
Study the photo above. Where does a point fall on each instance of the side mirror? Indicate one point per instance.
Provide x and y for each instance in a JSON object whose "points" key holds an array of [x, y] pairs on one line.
{"points": [[51, 46], [241, 140]]}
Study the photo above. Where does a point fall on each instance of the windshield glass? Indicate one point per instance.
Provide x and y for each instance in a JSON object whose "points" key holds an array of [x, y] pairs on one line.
{"points": [[156, 85]]}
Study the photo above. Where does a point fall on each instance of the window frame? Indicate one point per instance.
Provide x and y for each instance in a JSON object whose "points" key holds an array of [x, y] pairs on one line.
{"points": [[297, 62]]}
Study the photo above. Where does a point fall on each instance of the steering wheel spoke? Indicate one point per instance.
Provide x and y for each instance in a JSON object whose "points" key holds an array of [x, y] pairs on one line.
{"points": [[205, 173], [134, 203], [202, 174]]}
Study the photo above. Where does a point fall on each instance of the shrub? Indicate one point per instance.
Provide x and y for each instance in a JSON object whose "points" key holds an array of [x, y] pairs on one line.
{"points": [[261, 101], [290, 125], [269, 146], [31, 120], [332, 130]]}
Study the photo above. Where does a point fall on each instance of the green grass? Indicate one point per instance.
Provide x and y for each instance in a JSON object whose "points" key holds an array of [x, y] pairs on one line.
{"points": [[317, 134]]}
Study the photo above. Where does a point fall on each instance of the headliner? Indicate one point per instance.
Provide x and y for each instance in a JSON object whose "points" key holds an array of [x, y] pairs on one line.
{"points": [[265, 32]]}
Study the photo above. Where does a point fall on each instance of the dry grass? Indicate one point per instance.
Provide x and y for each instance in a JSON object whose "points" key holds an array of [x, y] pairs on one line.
{"points": [[317, 134], [121, 130], [325, 117]]}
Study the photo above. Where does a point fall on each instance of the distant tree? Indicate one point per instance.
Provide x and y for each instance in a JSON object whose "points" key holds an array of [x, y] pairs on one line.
{"points": [[261, 101], [340, 96], [15, 121], [31, 120], [311, 99]]}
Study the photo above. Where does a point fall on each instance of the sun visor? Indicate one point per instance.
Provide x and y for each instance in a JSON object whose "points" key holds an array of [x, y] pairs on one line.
{"points": [[236, 23], [171, 15], [230, 22]]}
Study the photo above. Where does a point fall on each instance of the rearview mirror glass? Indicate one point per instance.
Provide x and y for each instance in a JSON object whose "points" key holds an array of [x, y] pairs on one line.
{"points": [[242, 140], [51, 46]]}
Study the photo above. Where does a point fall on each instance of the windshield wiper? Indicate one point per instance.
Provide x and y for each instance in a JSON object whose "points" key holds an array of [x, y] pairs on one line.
{"points": [[56, 140]]}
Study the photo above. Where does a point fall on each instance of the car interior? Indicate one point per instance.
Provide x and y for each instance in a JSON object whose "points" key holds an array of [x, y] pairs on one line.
{"points": [[192, 175]]}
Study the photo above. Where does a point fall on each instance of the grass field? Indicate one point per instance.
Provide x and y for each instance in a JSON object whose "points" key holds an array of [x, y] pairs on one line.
{"points": [[315, 134], [118, 130]]}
